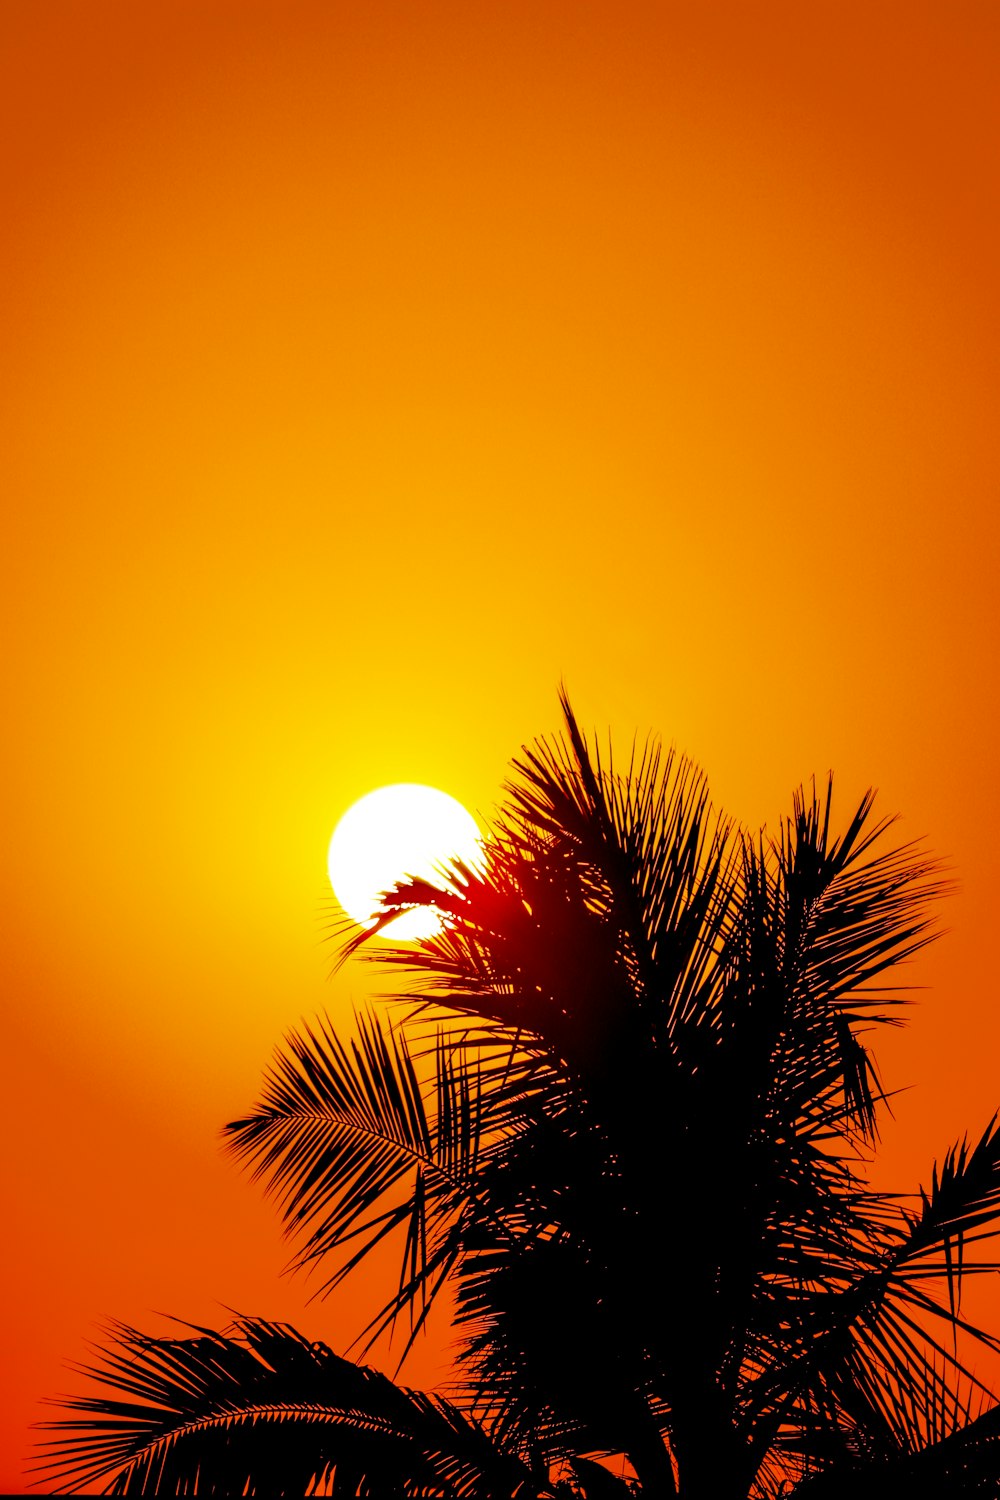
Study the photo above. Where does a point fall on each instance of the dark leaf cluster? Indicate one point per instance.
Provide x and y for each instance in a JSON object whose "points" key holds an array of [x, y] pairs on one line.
{"points": [[622, 1104]]}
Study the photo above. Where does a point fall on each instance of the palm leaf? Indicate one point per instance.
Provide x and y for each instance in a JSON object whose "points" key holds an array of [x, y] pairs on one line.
{"points": [[867, 1348], [347, 1142], [961, 1464], [260, 1410]]}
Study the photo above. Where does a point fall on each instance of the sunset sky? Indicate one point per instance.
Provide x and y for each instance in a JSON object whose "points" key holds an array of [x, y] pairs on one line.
{"points": [[369, 369]]}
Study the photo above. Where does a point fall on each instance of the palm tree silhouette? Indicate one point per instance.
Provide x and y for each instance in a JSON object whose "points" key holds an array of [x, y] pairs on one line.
{"points": [[621, 1105]]}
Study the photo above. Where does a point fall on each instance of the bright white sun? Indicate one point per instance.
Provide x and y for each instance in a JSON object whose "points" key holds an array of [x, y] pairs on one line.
{"points": [[394, 832]]}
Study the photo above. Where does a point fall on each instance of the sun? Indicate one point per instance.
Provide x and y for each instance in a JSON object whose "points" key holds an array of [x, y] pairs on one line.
{"points": [[393, 832]]}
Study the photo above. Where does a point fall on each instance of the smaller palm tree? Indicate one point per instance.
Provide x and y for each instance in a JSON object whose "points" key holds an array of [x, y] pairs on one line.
{"points": [[623, 1106]]}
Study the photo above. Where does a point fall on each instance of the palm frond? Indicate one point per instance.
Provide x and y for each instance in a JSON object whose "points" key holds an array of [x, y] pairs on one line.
{"points": [[961, 1464], [258, 1409], [347, 1142], [870, 1346]]}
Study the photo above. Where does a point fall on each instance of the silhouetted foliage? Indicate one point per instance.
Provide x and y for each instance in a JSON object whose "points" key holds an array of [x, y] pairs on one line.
{"points": [[623, 1106]]}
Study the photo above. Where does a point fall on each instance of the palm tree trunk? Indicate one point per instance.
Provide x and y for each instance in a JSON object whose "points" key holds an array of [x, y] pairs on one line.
{"points": [[650, 1459], [712, 1461]]}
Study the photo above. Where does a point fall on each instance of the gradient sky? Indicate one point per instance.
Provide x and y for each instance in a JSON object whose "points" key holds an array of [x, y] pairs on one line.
{"points": [[370, 367]]}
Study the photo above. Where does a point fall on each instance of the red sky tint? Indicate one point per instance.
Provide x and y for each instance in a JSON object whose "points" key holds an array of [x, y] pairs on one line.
{"points": [[369, 367]]}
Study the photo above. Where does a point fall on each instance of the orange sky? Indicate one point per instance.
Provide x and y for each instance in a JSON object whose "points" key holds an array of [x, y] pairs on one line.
{"points": [[371, 366]]}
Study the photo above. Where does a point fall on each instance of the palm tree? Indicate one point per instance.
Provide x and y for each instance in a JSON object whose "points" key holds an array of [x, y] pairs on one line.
{"points": [[622, 1106]]}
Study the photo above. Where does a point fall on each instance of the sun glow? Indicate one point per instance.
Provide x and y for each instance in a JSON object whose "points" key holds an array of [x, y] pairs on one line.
{"points": [[394, 832]]}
